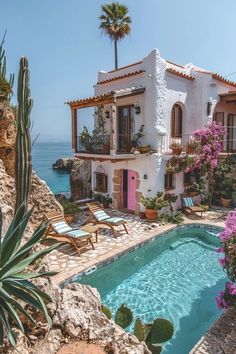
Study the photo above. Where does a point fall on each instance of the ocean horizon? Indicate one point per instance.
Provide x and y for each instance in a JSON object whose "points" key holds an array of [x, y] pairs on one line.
{"points": [[44, 154]]}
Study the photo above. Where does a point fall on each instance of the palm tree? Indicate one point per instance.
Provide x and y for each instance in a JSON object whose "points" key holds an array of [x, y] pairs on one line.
{"points": [[115, 23]]}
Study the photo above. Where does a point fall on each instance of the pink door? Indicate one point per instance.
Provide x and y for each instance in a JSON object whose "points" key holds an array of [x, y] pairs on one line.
{"points": [[131, 190]]}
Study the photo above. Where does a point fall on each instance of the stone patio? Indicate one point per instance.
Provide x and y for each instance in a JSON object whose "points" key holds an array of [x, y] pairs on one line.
{"points": [[68, 264], [221, 338]]}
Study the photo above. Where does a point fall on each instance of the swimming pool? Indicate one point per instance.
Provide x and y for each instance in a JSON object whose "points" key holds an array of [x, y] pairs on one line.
{"points": [[177, 277]]}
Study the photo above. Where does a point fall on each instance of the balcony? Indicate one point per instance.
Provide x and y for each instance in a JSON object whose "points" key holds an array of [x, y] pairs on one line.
{"points": [[185, 144]]}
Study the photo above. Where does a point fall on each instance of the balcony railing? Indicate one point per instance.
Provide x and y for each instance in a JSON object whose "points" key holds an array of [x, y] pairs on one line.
{"points": [[96, 145], [186, 145]]}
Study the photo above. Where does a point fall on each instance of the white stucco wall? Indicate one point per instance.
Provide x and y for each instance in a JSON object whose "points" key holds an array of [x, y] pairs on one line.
{"points": [[162, 91]]}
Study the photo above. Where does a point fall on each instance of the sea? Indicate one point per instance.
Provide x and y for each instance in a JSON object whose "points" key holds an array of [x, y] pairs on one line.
{"points": [[44, 154]]}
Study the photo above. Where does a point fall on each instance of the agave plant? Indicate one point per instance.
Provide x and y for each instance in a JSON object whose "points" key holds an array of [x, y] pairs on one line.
{"points": [[16, 289]]}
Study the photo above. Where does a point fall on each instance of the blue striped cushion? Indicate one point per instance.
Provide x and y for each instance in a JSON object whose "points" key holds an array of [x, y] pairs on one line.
{"points": [[61, 227], [188, 202], [115, 220], [101, 215], [77, 233]]}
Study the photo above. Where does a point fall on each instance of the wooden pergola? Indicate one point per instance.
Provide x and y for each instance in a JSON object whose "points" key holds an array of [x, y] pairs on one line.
{"points": [[107, 98], [229, 97]]}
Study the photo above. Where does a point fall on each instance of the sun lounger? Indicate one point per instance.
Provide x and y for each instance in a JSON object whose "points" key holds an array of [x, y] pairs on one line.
{"points": [[59, 230], [189, 207], [100, 217]]}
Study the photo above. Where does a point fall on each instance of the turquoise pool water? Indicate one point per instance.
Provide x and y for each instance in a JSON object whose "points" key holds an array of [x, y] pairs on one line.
{"points": [[176, 277]]}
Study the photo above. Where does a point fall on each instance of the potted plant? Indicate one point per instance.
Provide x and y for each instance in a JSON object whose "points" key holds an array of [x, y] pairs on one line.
{"points": [[144, 149], [136, 137], [176, 148], [226, 193], [191, 147], [103, 199], [153, 204], [86, 140], [70, 209], [192, 190], [106, 201]]}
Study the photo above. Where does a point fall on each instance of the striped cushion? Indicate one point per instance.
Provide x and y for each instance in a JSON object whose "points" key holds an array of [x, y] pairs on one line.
{"points": [[61, 227], [101, 215], [188, 202], [78, 233], [115, 220]]}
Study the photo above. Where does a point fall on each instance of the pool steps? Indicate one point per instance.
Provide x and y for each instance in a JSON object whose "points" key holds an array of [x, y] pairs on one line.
{"points": [[183, 242]]}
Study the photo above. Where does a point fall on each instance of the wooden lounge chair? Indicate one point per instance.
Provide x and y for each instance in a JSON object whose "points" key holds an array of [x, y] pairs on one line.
{"points": [[100, 217], [59, 230], [188, 205]]}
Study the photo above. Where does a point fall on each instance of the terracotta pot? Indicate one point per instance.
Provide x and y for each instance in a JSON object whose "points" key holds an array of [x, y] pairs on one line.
{"points": [[192, 194], [151, 214], [69, 218], [225, 202], [142, 215], [105, 205], [176, 150], [144, 149], [190, 150], [106, 149]]}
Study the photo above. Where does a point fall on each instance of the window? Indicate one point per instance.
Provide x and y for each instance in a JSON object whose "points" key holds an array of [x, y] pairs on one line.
{"points": [[101, 182], [169, 181], [176, 121], [219, 117], [187, 178]]}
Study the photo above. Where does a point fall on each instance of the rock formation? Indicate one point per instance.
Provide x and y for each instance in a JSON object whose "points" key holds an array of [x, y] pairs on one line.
{"points": [[76, 315], [80, 179], [41, 198], [7, 138], [64, 164]]}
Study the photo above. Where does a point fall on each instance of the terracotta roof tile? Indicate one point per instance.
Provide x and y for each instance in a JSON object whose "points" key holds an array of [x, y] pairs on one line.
{"points": [[132, 73], [222, 79], [180, 74]]}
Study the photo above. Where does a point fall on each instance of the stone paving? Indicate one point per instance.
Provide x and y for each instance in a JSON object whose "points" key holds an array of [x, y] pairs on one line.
{"points": [[68, 264], [221, 338]]}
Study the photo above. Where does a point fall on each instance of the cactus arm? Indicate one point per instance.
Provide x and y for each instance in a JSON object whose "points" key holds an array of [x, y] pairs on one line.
{"points": [[23, 164]]}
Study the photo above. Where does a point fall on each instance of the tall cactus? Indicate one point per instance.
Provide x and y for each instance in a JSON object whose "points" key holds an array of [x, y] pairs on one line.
{"points": [[5, 84], [23, 163]]}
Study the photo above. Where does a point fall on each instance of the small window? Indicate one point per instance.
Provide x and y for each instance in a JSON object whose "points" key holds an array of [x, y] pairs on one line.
{"points": [[176, 121], [101, 182], [169, 181], [187, 178], [219, 117]]}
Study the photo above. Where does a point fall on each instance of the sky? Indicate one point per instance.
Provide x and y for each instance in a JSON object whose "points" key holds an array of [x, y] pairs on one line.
{"points": [[66, 49]]}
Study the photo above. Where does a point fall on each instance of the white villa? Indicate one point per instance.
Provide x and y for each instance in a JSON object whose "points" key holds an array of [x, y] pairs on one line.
{"points": [[170, 101]]}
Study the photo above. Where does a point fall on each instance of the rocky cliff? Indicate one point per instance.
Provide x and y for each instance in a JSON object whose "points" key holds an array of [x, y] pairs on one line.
{"points": [[7, 137], [41, 198], [76, 315], [80, 179]]}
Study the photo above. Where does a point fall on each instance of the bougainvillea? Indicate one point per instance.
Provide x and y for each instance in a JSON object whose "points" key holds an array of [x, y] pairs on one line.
{"points": [[208, 146], [227, 297]]}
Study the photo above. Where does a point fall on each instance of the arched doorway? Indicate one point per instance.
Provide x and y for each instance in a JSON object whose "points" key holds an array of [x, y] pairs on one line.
{"points": [[176, 121]]}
